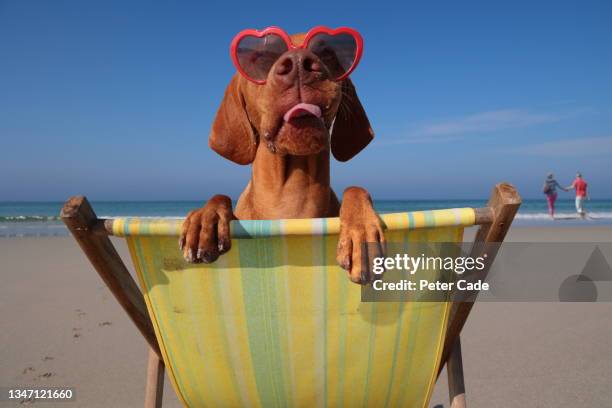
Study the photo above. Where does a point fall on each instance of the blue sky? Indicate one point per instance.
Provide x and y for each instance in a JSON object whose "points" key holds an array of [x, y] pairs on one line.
{"points": [[115, 99]]}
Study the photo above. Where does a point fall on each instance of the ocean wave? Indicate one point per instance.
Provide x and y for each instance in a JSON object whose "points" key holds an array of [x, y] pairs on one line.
{"points": [[143, 216], [44, 218], [28, 218], [571, 215]]}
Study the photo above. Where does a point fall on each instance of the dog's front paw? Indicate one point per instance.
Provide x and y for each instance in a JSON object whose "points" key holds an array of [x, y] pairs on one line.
{"points": [[206, 232], [361, 235]]}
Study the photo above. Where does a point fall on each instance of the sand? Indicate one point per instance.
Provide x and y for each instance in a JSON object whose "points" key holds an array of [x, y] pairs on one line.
{"points": [[62, 327]]}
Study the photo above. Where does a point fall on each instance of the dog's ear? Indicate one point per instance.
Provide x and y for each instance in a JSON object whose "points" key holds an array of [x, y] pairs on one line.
{"points": [[352, 131], [232, 135]]}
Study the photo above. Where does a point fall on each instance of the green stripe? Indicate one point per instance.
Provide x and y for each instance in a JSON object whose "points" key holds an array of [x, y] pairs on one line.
{"points": [[284, 321], [430, 220], [413, 330], [371, 343], [280, 321], [216, 272], [343, 320], [398, 336], [259, 286], [324, 290]]}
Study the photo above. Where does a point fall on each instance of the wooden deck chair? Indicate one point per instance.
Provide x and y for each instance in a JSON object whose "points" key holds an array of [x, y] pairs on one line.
{"points": [[253, 329]]}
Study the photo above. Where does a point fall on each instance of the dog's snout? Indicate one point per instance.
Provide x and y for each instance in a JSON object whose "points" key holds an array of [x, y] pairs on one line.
{"points": [[302, 63]]}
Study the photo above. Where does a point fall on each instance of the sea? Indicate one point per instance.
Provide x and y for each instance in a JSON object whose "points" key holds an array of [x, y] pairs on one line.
{"points": [[23, 219]]}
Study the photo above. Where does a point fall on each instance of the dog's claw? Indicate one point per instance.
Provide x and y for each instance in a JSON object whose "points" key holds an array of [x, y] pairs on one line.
{"points": [[207, 257], [346, 263], [206, 232], [363, 279], [271, 147]]}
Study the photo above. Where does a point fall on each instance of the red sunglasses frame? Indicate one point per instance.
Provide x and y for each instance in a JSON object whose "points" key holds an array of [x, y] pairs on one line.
{"points": [[290, 46]]}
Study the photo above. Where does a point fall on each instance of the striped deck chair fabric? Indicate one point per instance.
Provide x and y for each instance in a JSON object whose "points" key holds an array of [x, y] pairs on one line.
{"points": [[276, 323]]}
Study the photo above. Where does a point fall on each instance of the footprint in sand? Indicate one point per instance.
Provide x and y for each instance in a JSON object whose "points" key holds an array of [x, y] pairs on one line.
{"points": [[27, 370], [76, 332], [105, 324], [47, 358], [46, 375], [80, 313]]}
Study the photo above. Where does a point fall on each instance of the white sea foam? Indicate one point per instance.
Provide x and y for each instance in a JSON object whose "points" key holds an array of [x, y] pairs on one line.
{"points": [[150, 217], [564, 215]]}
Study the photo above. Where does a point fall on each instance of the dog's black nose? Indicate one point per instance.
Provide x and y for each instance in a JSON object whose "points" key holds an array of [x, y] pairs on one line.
{"points": [[302, 63]]}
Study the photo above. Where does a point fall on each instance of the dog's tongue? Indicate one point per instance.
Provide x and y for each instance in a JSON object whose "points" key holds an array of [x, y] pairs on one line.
{"points": [[302, 109]]}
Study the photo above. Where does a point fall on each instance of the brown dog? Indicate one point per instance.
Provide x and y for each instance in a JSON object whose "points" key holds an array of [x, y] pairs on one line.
{"points": [[289, 149]]}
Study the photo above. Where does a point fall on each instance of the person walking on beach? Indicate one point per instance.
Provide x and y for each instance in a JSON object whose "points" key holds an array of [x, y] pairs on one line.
{"points": [[581, 194], [550, 190]]}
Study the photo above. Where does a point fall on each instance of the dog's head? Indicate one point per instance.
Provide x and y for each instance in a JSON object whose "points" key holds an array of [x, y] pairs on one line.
{"points": [[292, 113]]}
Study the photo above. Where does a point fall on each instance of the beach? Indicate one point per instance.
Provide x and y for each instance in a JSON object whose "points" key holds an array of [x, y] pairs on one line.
{"points": [[62, 327]]}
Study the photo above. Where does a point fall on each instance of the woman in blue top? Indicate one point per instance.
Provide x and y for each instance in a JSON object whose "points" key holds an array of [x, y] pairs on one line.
{"points": [[550, 190]]}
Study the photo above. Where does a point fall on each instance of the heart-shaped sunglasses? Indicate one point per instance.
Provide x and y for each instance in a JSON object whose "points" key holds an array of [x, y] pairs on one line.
{"points": [[255, 52]]}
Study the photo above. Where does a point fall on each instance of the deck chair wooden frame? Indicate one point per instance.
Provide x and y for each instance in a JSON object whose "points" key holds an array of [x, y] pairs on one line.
{"points": [[92, 235]]}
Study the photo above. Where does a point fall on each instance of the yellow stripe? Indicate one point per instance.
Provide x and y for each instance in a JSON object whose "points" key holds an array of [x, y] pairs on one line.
{"points": [[380, 371], [118, 227], [288, 347], [303, 327], [171, 312], [419, 219], [335, 281], [236, 326], [209, 336]]}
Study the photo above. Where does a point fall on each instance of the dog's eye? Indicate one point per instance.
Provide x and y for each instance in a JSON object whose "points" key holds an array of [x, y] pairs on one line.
{"points": [[336, 52], [257, 55]]}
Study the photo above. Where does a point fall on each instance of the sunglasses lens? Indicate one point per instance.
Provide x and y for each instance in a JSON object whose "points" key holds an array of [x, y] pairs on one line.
{"points": [[256, 55], [337, 52]]}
